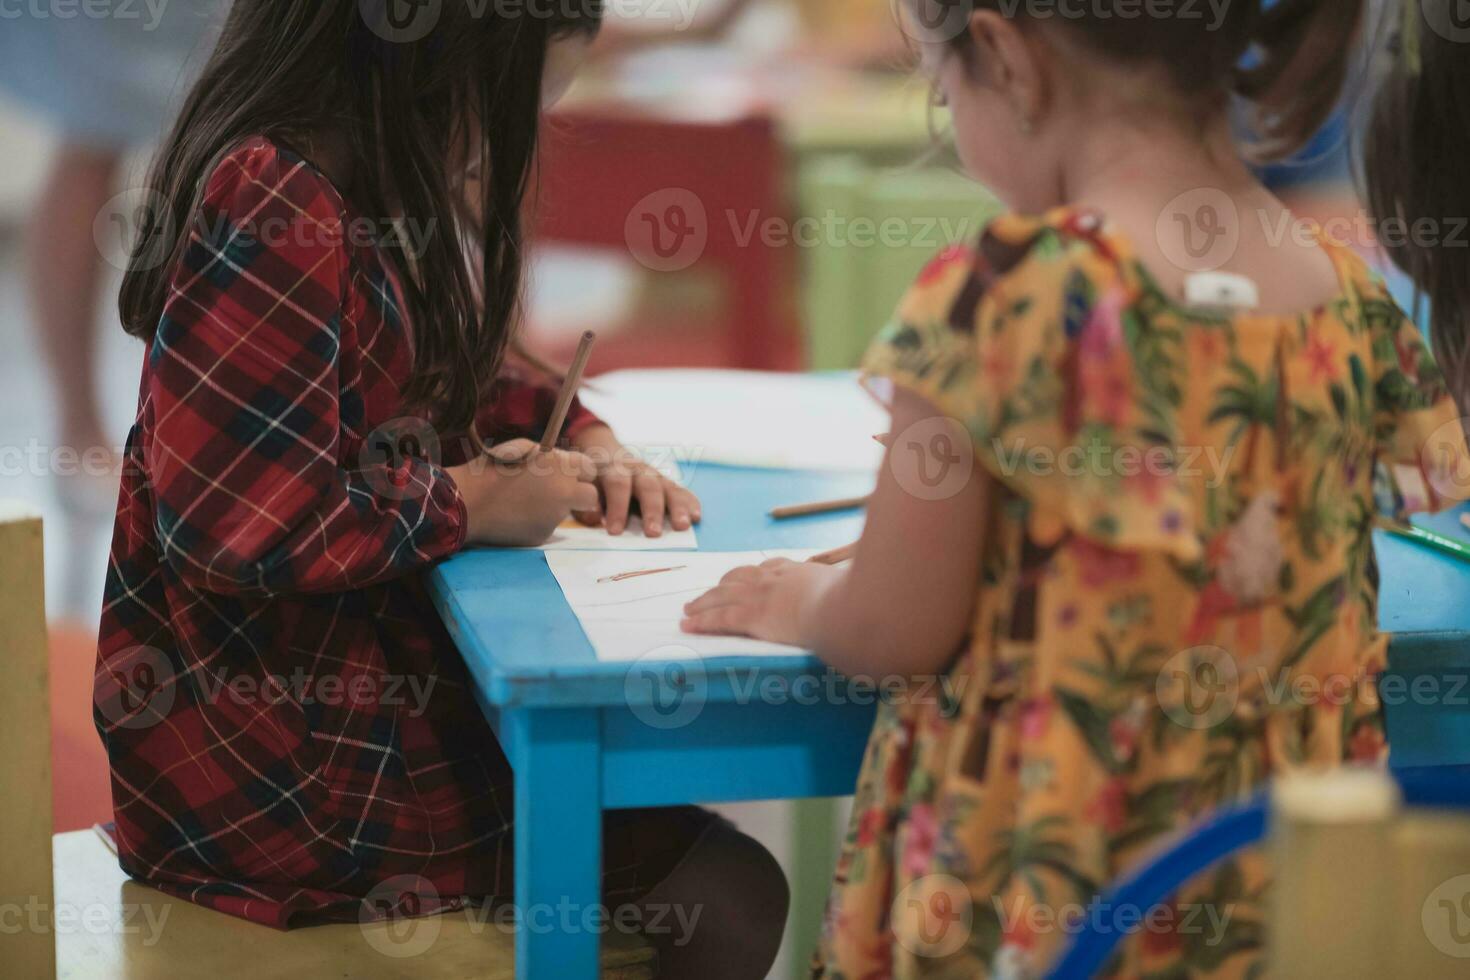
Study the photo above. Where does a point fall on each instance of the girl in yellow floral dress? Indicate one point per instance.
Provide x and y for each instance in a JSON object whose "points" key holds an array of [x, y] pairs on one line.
{"points": [[1125, 516]]}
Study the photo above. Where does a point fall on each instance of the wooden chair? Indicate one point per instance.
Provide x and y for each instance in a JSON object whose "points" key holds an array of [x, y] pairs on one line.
{"points": [[610, 180], [80, 916]]}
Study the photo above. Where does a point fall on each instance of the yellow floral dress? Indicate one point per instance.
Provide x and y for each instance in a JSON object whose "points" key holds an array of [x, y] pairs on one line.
{"points": [[1178, 598]]}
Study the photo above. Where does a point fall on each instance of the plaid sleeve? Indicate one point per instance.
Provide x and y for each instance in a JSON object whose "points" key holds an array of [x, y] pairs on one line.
{"points": [[251, 489]]}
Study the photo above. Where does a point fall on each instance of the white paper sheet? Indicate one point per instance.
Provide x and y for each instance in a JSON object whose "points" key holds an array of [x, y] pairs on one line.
{"points": [[744, 418], [574, 536], [638, 618]]}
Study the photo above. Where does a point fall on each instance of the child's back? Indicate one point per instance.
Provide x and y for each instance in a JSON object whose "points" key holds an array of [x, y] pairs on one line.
{"points": [[1157, 587], [1179, 595]]}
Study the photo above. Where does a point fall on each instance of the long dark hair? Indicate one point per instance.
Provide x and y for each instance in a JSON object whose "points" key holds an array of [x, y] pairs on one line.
{"points": [[1287, 59], [395, 83], [1414, 148]]}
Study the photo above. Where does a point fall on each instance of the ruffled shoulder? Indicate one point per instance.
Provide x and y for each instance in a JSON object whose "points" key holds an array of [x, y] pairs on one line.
{"points": [[1036, 342]]}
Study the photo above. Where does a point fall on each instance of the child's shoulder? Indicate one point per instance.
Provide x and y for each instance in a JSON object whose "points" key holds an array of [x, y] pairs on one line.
{"points": [[1018, 258], [260, 176]]}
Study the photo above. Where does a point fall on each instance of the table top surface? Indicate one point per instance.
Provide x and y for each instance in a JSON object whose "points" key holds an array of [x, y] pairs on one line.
{"points": [[524, 645], [1424, 591], [522, 641]]}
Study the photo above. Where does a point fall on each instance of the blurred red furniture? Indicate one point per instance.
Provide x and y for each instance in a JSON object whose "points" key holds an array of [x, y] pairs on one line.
{"points": [[680, 198]]}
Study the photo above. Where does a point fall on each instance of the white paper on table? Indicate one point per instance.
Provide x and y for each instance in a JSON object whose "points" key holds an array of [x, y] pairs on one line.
{"points": [[575, 536], [744, 418], [638, 618]]}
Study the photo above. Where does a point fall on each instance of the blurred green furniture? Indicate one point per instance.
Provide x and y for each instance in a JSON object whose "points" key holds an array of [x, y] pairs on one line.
{"points": [[875, 228]]}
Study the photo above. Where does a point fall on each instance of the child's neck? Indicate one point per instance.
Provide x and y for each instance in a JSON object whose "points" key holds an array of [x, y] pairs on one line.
{"points": [[1155, 184], [1113, 163]]}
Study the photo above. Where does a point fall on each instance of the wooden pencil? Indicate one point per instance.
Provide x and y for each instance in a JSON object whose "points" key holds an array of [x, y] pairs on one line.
{"points": [[836, 556], [569, 387], [818, 507]]}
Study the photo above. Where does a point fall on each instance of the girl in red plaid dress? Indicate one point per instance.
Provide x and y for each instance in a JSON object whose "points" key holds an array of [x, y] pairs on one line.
{"points": [[330, 273]]}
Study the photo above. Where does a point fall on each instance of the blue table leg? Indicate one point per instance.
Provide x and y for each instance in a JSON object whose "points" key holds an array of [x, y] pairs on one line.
{"points": [[556, 754]]}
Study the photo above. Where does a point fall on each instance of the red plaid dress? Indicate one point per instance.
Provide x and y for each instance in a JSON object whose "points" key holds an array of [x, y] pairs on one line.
{"points": [[287, 720]]}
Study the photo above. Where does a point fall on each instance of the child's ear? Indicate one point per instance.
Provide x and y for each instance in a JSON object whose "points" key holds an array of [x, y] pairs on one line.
{"points": [[1008, 60]]}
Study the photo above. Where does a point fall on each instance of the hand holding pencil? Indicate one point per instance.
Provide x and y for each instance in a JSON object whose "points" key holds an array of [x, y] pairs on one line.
{"points": [[517, 495], [622, 479], [521, 491]]}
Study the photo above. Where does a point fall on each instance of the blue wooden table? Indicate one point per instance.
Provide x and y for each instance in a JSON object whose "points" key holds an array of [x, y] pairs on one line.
{"points": [[583, 736], [1425, 602]]}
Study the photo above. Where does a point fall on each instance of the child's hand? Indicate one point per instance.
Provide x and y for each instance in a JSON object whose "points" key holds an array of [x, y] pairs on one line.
{"points": [[764, 602], [623, 478], [518, 495]]}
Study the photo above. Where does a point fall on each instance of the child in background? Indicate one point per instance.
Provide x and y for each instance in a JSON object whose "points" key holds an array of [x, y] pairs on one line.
{"points": [[327, 292], [1413, 155], [1117, 522], [105, 78]]}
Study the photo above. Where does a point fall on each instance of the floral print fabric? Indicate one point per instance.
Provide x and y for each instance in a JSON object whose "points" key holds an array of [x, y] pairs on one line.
{"points": [[1178, 598]]}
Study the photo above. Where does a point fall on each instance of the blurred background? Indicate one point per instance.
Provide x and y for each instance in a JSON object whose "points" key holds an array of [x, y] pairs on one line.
{"points": [[747, 183]]}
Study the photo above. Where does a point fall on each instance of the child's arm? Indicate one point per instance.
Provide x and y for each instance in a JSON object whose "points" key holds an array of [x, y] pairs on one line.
{"points": [[254, 490], [906, 603], [1421, 430]]}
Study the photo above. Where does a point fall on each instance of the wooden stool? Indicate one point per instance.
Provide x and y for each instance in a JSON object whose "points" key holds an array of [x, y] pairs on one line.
{"points": [[97, 924]]}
